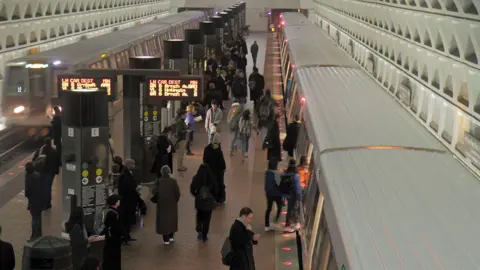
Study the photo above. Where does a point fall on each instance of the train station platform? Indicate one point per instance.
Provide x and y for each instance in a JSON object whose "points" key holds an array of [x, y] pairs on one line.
{"points": [[244, 182]]}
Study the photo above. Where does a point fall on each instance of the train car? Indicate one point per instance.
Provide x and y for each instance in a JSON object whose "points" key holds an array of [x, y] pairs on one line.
{"points": [[384, 193], [30, 87]]}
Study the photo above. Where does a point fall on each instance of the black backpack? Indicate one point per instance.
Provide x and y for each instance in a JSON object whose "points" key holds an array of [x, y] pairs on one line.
{"points": [[227, 252], [204, 200], [286, 183]]}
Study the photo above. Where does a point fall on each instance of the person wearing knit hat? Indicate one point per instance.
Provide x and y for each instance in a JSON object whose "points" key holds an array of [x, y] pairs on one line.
{"points": [[167, 195]]}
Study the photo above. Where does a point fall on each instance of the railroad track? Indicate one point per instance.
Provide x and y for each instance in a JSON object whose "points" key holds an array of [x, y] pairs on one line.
{"points": [[14, 147]]}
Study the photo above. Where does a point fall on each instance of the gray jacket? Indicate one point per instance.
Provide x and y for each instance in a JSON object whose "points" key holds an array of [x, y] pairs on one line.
{"points": [[213, 117]]}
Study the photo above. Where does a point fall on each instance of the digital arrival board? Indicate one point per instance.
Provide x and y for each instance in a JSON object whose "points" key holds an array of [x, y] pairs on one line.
{"points": [[184, 88], [75, 82]]}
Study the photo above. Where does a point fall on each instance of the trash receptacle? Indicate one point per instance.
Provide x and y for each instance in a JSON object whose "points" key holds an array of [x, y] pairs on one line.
{"points": [[47, 252], [96, 244]]}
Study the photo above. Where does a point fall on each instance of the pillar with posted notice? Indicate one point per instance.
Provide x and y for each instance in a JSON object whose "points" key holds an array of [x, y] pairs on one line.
{"points": [[176, 57], [227, 36], [196, 51], [85, 133]]}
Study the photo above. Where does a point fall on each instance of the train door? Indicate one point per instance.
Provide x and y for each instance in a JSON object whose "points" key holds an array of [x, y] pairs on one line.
{"points": [[38, 85]]}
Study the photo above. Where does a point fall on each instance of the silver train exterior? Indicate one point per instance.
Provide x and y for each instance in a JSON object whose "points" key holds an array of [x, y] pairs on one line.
{"points": [[30, 87], [384, 193]]}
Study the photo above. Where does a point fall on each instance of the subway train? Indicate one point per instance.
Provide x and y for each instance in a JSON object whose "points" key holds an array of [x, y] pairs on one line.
{"points": [[384, 193], [31, 87]]}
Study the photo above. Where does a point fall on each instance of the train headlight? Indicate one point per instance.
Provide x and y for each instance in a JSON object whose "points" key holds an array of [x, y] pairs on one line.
{"points": [[19, 109]]}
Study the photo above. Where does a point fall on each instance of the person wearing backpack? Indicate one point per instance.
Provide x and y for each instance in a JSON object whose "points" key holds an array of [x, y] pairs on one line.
{"points": [[234, 116], [113, 231], [203, 188], [292, 191], [36, 193], [241, 240], [239, 88], [265, 112], [245, 127], [46, 162], [272, 192]]}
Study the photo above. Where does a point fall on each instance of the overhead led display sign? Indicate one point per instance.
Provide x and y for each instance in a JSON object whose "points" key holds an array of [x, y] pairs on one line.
{"points": [[75, 82], [186, 88]]}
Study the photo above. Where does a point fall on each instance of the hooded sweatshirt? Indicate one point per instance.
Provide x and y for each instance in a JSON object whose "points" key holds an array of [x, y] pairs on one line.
{"points": [[272, 182]]}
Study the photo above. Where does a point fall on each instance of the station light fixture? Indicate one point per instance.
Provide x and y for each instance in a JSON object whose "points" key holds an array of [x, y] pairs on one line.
{"points": [[103, 55], [36, 66], [57, 62]]}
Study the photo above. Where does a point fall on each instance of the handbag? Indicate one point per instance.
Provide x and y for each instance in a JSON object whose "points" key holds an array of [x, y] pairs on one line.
{"points": [[154, 198], [267, 143]]}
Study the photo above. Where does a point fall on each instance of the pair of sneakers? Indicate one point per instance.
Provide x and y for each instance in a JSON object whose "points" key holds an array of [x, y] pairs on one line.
{"points": [[171, 240]]}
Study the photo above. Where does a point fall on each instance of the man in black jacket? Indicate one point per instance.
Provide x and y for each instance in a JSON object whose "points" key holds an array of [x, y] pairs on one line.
{"points": [[181, 132], [57, 132], [129, 198], [36, 191], [7, 255], [242, 240], [46, 162], [256, 82], [203, 188], [254, 51], [239, 88]]}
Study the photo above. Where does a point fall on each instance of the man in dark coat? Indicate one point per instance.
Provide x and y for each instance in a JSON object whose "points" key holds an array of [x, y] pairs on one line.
{"points": [[47, 163], [36, 191], [167, 193], [290, 142], [239, 88], [7, 255], [254, 52], [213, 156], [203, 188], [57, 131], [129, 198], [113, 231], [242, 240], [256, 83]]}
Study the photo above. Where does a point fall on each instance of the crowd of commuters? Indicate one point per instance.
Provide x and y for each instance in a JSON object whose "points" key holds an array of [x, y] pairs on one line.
{"points": [[225, 80]]}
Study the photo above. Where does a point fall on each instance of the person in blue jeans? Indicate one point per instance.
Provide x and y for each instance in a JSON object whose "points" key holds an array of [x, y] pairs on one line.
{"points": [[245, 127], [293, 196], [190, 121]]}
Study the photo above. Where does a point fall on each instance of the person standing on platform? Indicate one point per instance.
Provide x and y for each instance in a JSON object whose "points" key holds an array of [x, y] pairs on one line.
{"points": [[112, 249], [239, 88], [272, 192], [165, 150], [7, 255], [234, 116], [256, 83], [127, 190], [213, 119], [36, 191], [78, 237], [242, 240], [203, 188], [265, 112], [245, 127], [290, 142], [303, 172], [273, 140], [291, 188], [190, 122], [57, 131], [181, 132], [213, 156], [167, 195], [242, 63], [46, 162], [254, 52]]}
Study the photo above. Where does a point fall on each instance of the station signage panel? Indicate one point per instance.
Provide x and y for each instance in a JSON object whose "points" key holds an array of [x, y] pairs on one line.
{"points": [[184, 88], [77, 82]]}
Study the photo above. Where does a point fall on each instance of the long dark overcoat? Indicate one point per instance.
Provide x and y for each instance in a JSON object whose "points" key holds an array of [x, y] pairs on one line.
{"points": [[168, 194]]}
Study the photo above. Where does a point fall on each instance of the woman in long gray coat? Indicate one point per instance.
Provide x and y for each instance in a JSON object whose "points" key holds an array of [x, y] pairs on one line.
{"points": [[168, 194]]}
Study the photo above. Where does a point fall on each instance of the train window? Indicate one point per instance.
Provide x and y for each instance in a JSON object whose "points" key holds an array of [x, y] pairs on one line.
{"points": [[311, 202], [469, 138], [15, 81], [37, 82]]}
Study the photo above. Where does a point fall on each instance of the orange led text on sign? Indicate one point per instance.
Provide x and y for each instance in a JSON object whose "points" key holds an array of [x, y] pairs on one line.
{"points": [[173, 88], [85, 83]]}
